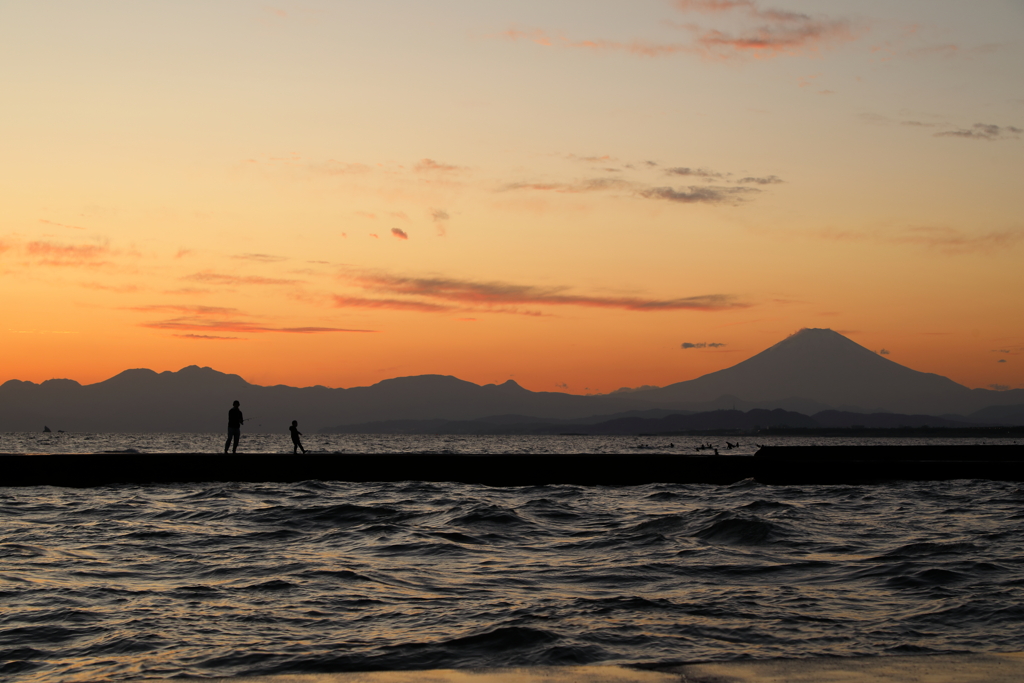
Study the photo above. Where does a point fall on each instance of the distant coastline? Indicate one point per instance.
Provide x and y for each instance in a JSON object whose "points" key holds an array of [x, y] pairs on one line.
{"points": [[814, 379]]}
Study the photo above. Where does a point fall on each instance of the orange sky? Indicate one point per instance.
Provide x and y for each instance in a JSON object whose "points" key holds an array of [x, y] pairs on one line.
{"points": [[579, 195]]}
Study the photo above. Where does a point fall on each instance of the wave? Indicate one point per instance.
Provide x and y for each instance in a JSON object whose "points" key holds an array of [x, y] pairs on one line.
{"points": [[249, 579]]}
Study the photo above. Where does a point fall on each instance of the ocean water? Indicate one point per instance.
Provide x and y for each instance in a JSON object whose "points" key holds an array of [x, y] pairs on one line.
{"points": [[131, 581], [84, 442]]}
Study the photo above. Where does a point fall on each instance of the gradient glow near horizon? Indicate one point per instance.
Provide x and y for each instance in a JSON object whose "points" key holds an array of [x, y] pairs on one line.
{"points": [[577, 195]]}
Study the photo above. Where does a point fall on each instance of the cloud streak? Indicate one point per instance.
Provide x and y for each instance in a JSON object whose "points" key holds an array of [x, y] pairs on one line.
{"points": [[583, 186], [222, 279], [492, 295], [72, 255], [983, 131], [701, 345], [699, 194], [260, 258], [753, 32], [206, 336], [945, 239], [767, 180], [440, 218], [60, 225], [768, 33], [702, 173], [388, 304], [196, 322], [203, 324], [735, 193], [431, 166], [185, 308]]}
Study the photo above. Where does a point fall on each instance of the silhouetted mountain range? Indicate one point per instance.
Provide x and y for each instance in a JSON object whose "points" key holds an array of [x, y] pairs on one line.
{"points": [[197, 399], [809, 373], [723, 421], [818, 369]]}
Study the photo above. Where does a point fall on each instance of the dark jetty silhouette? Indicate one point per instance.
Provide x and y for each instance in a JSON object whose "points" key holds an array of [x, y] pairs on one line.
{"points": [[770, 465]]}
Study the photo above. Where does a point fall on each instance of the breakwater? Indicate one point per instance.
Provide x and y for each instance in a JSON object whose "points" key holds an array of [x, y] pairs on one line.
{"points": [[770, 465]]}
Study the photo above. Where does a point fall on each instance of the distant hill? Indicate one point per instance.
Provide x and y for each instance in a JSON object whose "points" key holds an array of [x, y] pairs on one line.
{"points": [[824, 368], [196, 399], [649, 422], [1005, 415], [811, 372]]}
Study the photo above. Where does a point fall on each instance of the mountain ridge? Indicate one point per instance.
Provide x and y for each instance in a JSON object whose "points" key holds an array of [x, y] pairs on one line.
{"points": [[822, 365], [811, 371]]}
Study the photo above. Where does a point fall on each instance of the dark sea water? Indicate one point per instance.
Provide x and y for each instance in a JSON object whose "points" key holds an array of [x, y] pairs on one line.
{"points": [[132, 581], [280, 442]]}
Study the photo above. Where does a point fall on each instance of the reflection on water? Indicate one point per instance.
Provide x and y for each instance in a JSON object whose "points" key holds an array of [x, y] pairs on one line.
{"points": [[230, 579], [82, 442]]}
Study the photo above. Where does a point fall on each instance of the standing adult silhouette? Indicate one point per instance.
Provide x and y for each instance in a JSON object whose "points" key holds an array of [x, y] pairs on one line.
{"points": [[235, 422], [294, 429]]}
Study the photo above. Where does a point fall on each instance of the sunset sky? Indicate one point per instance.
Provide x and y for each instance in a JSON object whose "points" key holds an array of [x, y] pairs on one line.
{"points": [[579, 195]]}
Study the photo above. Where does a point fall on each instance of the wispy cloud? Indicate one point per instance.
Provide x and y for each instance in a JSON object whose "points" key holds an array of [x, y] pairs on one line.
{"points": [[989, 132], [635, 47], [399, 233], [907, 44], [431, 166], [222, 279], [702, 173], [701, 345], [983, 131], [332, 167], [699, 194], [734, 193], [389, 304], [498, 294], [767, 33], [590, 185], [204, 324], [206, 336], [440, 218], [185, 308], [198, 322], [954, 241], [120, 289], [260, 258], [766, 180], [945, 239], [80, 255], [709, 175], [60, 225], [739, 29], [603, 159]]}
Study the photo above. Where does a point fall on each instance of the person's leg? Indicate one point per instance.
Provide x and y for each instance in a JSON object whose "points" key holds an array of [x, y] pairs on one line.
{"points": [[227, 444]]}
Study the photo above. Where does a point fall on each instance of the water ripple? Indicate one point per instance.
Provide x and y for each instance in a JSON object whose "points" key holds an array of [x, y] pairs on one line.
{"points": [[246, 579]]}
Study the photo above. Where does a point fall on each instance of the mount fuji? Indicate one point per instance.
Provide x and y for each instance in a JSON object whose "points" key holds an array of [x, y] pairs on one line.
{"points": [[824, 369]]}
